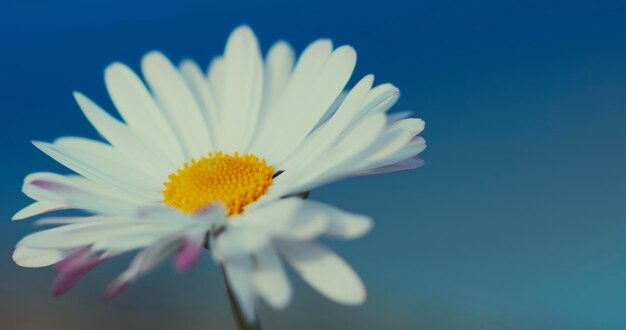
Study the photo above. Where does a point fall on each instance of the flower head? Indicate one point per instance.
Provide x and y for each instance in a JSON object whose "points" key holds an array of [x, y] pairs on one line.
{"points": [[216, 159]]}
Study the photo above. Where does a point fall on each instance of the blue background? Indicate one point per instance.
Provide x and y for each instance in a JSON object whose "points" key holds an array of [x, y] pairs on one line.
{"points": [[517, 221]]}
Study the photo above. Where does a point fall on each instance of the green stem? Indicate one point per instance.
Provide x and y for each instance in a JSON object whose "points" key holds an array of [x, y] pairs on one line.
{"points": [[240, 320]]}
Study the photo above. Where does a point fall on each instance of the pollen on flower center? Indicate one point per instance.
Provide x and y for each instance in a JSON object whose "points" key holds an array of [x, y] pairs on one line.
{"points": [[234, 180]]}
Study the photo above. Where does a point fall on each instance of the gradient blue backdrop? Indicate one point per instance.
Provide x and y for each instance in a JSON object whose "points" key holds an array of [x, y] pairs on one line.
{"points": [[517, 221]]}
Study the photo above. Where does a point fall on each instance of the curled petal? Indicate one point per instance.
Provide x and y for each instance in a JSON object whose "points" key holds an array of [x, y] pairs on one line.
{"points": [[144, 262]]}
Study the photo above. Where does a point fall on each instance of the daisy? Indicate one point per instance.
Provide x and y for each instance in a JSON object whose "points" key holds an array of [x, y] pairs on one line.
{"points": [[220, 160]]}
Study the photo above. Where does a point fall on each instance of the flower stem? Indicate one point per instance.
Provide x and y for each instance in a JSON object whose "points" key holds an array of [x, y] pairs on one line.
{"points": [[240, 320]]}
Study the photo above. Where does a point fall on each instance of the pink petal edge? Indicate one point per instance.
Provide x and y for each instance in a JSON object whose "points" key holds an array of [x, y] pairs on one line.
{"points": [[72, 269], [188, 255]]}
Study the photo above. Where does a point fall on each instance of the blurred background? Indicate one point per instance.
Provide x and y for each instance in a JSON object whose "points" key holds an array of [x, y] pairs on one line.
{"points": [[517, 220]]}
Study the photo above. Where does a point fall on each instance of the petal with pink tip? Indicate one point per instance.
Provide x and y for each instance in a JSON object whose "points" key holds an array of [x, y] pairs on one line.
{"points": [[188, 254], [72, 269]]}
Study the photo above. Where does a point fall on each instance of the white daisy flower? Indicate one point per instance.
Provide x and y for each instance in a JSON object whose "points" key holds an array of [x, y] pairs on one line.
{"points": [[219, 159]]}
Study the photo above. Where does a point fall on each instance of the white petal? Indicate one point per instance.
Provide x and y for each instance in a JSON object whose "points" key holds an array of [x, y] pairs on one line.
{"points": [[103, 164], [304, 113], [407, 164], [151, 256], [145, 156], [325, 271], [204, 95], [296, 91], [106, 233], [291, 218], [85, 232], [178, 103], [215, 75], [61, 190], [141, 113], [324, 137], [146, 260], [35, 258], [271, 280], [239, 274], [341, 224], [393, 117], [413, 125], [334, 164], [395, 138], [351, 109], [241, 240], [304, 220], [213, 214], [120, 234], [331, 110], [241, 90], [278, 69], [38, 208], [381, 99], [349, 126], [410, 150], [357, 140], [125, 241]]}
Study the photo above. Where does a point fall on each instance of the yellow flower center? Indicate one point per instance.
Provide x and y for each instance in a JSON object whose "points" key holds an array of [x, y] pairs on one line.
{"points": [[235, 180]]}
